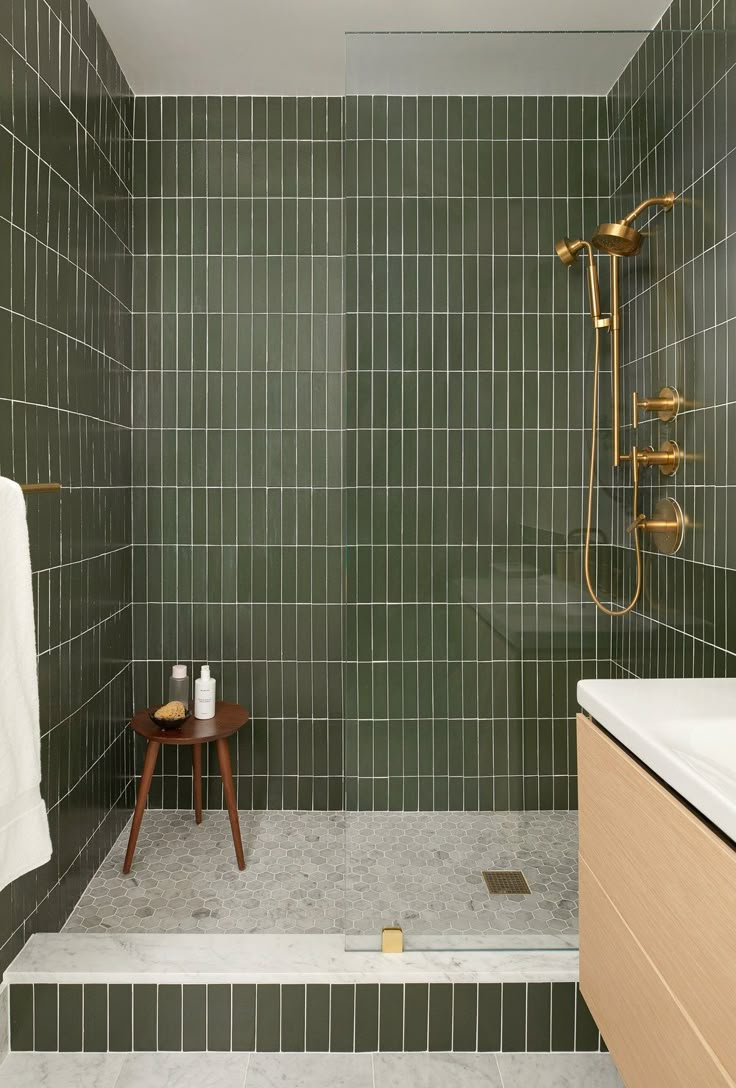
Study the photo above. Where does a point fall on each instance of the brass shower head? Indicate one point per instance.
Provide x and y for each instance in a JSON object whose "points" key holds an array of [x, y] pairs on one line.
{"points": [[620, 239], [568, 251]]}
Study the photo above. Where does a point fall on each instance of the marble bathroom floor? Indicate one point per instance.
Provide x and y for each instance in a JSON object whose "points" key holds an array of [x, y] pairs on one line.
{"points": [[309, 1071], [319, 872]]}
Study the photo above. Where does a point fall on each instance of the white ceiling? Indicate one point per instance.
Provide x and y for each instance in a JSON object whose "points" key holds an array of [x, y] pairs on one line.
{"points": [[297, 47], [531, 63]]}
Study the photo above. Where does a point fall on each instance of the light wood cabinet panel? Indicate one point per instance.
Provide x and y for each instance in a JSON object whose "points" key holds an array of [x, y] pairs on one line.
{"points": [[652, 1041], [671, 879]]}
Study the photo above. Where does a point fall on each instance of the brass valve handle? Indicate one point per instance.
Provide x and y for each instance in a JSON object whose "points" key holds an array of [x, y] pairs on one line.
{"points": [[666, 404], [652, 525], [668, 524], [667, 457]]}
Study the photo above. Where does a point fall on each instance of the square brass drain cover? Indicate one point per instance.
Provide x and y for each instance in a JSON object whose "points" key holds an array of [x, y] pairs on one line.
{"points": [[506, 882]]}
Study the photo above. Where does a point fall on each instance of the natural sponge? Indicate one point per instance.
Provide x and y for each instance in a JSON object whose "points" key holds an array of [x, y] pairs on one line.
{"points": [[172, 712]]}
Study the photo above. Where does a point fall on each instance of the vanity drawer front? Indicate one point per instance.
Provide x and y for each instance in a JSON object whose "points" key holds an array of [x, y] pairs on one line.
{"points": [[670, 877], [652, 1040]]}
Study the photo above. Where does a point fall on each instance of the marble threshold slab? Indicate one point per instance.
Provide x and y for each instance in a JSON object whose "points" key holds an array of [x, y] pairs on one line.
{"points": [[267, 958]]}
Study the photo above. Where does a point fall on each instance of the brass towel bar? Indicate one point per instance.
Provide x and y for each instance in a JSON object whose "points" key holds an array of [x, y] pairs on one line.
{"points": [[40, 487]]}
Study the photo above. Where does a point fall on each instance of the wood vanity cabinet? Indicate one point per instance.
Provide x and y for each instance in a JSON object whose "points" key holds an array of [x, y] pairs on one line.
{"points": [[657, 924]]}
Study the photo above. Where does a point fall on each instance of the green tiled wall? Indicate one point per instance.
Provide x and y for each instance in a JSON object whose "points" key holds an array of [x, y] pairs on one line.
{"points": [[451, 457], [466, 373], [65, 294], [672, 128], [348, 1018], [237, 467]]}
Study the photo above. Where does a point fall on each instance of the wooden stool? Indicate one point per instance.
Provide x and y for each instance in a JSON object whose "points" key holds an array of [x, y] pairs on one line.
{"points": [[229, 717]]}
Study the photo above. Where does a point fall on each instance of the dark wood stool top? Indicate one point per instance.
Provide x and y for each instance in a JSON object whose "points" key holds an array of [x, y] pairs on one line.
{"points": [[229, 717]]}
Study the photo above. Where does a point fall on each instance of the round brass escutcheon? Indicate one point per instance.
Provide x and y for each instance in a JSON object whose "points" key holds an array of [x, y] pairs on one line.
{"points": [[670, 447], [669, 540], [667, 392]]}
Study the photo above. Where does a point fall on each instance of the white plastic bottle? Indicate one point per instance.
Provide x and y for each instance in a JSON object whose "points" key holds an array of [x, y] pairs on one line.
{"points": [[204, 694]]}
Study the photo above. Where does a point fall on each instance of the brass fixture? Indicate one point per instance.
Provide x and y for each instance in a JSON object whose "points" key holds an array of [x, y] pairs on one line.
{"points": [[392, 939], [617, 239], [31, 488], [667, 525], [568, 253], [666, 404], [667, 457], [613, 612], [621, 240], [506, 882]]}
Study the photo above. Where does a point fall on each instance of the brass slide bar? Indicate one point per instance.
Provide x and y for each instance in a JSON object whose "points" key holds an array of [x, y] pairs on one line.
{"points": [[616, 359], [30, 488]]}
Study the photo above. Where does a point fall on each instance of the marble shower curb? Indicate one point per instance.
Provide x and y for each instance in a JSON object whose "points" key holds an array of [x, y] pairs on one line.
{"points": [[292, 993]]}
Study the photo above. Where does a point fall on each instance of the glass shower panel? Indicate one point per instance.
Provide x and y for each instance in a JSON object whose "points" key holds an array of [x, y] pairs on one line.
{"points": [[467, 370]]}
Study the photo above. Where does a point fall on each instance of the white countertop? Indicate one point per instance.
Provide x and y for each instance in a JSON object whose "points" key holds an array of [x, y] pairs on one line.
{"points": [[684, 730]]}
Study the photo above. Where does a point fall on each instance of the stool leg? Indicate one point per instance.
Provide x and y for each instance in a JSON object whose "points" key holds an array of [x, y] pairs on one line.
{"points": [[197, 781], [226, 772], [149, 764]]}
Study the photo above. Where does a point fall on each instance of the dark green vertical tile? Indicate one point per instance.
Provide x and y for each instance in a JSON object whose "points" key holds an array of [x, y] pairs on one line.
{"points": [[244, 1017], [366, 1017], [95, 1018], [391, 1017], [70, 1018], [440, 1016], [514, 1016], [538, 1016], [586, 1029], [318, 1017], [46, 1012], [219, 1014], [194, 1017], [416, 1016], [120, 1017], [169, 1017], [465, 1017], [563, 1015], [342, 1018], [293, 1018], [268, 1017], [489, 1016], [21, 1017], [144, 1017]]}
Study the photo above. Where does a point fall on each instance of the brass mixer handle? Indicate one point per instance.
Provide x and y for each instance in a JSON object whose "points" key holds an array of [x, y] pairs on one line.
{"points": [[637, 523], [644, 404], [667, 403]]}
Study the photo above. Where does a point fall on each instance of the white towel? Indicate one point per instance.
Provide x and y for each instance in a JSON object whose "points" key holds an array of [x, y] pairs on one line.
{"points": [[24, 828]]}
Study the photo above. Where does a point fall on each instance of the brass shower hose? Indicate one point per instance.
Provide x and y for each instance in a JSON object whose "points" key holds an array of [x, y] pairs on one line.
{"points": [[591, 488]]}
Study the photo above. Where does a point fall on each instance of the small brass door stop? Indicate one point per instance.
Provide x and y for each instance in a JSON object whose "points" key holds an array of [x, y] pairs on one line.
{"points": [[392, 939]]}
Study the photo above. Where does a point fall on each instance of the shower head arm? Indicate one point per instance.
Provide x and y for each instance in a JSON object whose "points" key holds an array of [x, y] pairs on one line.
{"points": [[666, 201]]}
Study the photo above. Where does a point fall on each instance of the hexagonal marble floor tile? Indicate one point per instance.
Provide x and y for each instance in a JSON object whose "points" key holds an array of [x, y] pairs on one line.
{"points": [[319, 872]]}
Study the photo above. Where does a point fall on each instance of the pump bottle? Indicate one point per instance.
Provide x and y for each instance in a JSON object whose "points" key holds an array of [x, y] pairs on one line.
{"points": [[204, 694]]}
